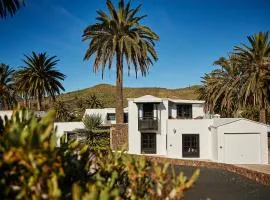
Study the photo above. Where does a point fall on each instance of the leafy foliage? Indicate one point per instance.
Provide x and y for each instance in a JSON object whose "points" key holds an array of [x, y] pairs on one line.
{"points": [[31, 167], [62, 112], [7, 90], [92, 122], [243, 82], [94, 102], [39, 78], [10, 7]]}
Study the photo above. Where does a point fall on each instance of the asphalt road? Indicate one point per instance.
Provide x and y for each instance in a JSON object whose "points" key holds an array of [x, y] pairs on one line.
{"points": [[223, 185]]}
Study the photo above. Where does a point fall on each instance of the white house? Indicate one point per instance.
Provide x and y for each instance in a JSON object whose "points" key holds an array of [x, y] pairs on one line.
{"points": [[107, 114], [180, 129]]}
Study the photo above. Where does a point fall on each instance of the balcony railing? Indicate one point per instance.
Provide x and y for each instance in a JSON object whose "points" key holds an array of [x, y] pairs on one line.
{"points": [[148, 123]]}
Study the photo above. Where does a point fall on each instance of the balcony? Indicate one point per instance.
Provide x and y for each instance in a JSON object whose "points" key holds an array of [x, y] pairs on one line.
{"points": [[148, 123]]}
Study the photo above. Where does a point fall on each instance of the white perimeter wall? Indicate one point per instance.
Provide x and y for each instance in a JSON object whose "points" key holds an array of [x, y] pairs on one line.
{"points": [[7, 113], [244, 126], [103, 113], [62, 127], [177, 127], [134, 135]]}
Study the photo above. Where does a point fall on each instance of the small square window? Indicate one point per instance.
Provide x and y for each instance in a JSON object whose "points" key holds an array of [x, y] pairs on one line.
{"points": [[111, 116], [184, 111]]}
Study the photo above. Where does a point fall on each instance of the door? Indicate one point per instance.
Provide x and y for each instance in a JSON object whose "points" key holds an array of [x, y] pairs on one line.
{"points": [[148, 143], [190, 146], [242, 148]]}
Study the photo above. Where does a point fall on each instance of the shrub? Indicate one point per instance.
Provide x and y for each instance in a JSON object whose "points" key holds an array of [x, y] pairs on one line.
{"points": [[31, 167], [92, 122], [29, 164]]}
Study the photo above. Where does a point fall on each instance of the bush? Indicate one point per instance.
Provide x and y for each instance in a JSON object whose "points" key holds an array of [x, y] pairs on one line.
{"points": [[31, 167], [92, 122], [29, 164]]}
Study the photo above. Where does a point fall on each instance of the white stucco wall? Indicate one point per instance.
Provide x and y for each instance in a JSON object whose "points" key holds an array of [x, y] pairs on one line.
{"points": [[214, 144], [62, 127], [7, 113], [197, 110], [103, 112], [135, 135], [244, 126], [161, 134], [177, 127]]}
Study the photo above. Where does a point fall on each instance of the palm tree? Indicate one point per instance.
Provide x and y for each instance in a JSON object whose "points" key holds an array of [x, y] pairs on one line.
{"points": [[94, 102], [255, 60], [62, 111], [220, 88], [40, 78], [7, 93], [119, 36], [10, 7]]}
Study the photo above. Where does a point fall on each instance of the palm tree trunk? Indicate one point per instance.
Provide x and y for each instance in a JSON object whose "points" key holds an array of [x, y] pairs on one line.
{"points": [[263, 115], [39, 102], [119, 90], [25, 101], [263, 112], [6, 104]]}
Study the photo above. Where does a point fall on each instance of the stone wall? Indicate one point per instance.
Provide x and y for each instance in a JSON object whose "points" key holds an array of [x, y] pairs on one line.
{"points": [[119, 137]]}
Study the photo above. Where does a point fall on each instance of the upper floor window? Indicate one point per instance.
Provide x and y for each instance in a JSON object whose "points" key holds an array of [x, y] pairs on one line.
{"points": [[111, 116], [184, 111]]}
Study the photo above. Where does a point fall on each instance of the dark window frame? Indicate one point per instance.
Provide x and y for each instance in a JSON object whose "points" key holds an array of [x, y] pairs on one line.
{"points": [[109, 115], [125, 117], [184, 111], [190, 145], [146, 140], [268, 141], [148, 110]]}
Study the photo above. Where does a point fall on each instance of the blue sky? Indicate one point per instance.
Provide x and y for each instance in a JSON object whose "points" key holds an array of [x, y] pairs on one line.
{"points": [[193, 34]]}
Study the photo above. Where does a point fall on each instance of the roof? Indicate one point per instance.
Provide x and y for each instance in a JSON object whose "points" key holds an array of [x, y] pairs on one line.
{"points": [[187, 101], [153, 99], [105, 109], [224, 121], [148, 98]]}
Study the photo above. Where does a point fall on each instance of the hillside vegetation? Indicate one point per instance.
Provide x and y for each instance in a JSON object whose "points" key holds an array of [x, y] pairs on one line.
{"points": [[106, 93]]}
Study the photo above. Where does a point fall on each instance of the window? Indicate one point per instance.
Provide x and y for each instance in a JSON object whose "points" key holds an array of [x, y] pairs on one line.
{"points": [[268, 141], [125, 117], [148, 110], [190, 145], [148, 143], [111, 116], [184, 111]]}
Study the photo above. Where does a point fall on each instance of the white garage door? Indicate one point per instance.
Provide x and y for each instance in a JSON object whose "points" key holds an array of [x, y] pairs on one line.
{"points": [[242, 148]]}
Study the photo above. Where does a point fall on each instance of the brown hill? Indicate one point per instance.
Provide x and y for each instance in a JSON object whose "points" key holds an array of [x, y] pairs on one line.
{"points": [[106, 93]]}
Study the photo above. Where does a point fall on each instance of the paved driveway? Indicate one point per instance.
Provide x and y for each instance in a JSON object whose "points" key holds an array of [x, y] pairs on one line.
{"points": [[223, 185]]}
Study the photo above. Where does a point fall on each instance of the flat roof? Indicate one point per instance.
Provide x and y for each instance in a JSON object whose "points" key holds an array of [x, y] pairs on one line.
{"points": [[153, 99]]}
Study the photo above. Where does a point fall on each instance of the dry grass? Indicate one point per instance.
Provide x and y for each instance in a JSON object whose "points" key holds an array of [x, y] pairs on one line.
{"points": [[107, 94]]}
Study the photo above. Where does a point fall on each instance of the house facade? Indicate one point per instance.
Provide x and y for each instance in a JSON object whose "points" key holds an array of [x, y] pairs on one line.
{"points": [[176, 128], [180, 129]]}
